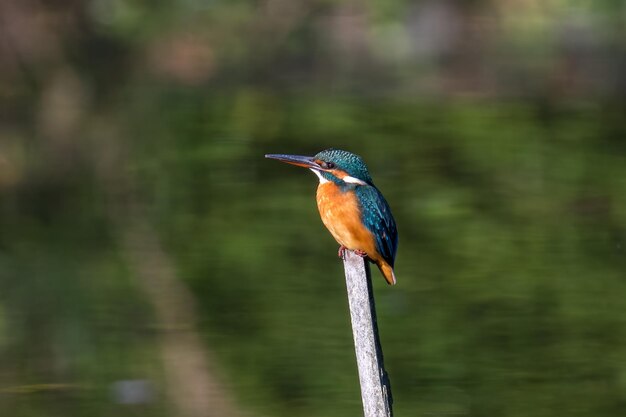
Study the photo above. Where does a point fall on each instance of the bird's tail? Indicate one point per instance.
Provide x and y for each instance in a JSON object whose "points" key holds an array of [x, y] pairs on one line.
{"points": [[387, 272]]}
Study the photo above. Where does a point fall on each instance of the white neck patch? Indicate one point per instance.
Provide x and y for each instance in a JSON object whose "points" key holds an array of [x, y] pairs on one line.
{"points": [[353, 180], [347, 178], [322, 179]]}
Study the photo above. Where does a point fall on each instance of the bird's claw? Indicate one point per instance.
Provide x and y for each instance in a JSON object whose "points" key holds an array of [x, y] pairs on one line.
{"points": [[342, 251]]}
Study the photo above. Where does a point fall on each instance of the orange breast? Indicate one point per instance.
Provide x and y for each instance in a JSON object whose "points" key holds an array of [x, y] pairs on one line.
{"points": [[341, 215]]}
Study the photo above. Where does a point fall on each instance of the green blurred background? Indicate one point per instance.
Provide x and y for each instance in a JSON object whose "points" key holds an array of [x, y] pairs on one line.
{"points": [[153, 263]]}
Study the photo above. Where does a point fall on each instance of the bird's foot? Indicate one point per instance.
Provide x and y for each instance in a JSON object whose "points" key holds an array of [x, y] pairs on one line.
{"points": [[342, 251]]}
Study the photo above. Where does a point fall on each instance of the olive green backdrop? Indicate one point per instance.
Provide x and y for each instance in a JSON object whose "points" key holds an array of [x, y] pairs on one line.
{"points": [[141, 228]]}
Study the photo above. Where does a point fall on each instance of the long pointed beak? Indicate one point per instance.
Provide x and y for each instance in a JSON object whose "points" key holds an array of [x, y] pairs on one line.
{"points": [[301, 161]]}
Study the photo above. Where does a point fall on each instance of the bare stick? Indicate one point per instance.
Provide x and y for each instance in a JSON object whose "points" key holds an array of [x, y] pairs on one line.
{"points": [[375, 386]]}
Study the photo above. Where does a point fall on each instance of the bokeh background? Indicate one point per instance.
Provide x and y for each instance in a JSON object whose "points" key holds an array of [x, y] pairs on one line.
{"points": [[153, 263]]}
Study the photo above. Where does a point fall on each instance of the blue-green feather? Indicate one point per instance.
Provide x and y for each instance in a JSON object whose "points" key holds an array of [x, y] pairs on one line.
{"points": [[351, 163], [376, 216]]}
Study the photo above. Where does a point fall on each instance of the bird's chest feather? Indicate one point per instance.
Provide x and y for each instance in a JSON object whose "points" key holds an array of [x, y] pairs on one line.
{"points": [[341, 213]]}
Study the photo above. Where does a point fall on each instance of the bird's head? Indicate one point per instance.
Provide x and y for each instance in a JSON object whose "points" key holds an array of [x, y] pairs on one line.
{"points": [[336, 165]]}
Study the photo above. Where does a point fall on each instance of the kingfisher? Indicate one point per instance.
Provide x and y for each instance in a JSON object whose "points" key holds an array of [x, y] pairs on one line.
{"points": [[351, 207]]}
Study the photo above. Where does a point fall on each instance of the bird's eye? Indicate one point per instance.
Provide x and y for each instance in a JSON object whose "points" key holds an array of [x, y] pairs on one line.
{"points": [[329, 165]]}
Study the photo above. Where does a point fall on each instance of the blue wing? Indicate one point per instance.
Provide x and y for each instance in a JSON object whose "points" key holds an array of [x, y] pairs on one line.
{"points": [[377, 217]]}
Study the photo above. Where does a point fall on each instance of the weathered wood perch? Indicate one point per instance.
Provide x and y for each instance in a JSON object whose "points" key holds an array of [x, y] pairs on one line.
{"points": [[375, 385]]}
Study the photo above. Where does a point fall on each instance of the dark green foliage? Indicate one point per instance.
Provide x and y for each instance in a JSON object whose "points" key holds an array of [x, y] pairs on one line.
{"points": [[497, 138], [510, 271]]}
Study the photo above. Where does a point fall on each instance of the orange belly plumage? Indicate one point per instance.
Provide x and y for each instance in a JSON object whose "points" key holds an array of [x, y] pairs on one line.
{"points": [[341, 215]]}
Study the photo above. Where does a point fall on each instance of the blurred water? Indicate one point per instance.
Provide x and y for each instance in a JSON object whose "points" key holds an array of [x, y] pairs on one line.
{"points": [[153, 263]]}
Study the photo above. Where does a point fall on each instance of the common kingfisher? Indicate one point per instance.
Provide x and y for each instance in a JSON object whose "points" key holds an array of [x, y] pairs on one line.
{"points": [[351, 207]]}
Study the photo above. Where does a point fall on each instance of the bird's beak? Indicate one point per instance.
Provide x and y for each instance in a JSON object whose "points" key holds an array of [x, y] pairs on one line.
{"points": [[301, 161]]}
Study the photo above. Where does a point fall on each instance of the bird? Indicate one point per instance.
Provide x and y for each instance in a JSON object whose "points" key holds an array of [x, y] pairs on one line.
{"points": [[351, 207]]}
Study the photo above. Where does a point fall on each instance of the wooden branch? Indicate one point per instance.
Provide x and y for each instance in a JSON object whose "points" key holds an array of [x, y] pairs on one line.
{"points": [[375, 385]]}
